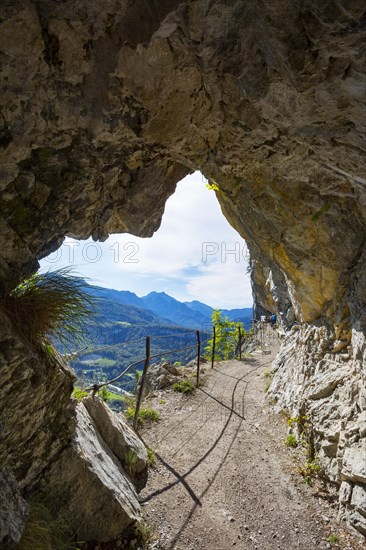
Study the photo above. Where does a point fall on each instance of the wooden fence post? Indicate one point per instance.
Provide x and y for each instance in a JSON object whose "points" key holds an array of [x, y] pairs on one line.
{"points": [[213, 347], [239, 342], [141, 388], [198, 357]]}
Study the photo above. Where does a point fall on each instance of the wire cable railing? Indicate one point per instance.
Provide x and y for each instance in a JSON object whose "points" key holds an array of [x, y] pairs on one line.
{"points": [[210, 337]]}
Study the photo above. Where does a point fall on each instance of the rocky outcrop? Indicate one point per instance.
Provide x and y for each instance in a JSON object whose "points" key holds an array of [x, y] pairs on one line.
{"points": [[315, 379], [13, 510], [105, 106], [36, 413], [119, 438], [160, 377], [89, 483]]}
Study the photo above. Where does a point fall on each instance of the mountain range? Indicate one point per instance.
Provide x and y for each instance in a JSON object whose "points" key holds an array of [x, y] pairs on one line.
{"points": [[160, 308]]}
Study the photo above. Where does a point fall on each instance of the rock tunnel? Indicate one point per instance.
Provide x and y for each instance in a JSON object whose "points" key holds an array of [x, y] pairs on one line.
{"points": [[105, 106]]}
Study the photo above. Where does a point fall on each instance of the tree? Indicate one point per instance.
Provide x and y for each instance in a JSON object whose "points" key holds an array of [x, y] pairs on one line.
{"points": [[226, 337]]}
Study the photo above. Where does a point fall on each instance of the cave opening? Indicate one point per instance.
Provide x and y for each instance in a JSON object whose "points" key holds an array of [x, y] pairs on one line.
{"points": [[194, 255]]}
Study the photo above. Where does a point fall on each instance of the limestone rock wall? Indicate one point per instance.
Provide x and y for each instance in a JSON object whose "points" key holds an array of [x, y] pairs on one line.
{"points": [[329, 387], [106, 104]]}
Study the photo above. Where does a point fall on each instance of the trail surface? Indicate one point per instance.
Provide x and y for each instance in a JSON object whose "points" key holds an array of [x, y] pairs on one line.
{"points": [[224, 477]]}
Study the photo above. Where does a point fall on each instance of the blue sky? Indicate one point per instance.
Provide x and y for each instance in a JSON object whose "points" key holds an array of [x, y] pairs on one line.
{"points": [[195, 255]]}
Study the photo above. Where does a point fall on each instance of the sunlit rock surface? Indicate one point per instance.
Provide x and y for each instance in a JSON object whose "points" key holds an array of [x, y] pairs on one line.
{"points": [[106, 105]]}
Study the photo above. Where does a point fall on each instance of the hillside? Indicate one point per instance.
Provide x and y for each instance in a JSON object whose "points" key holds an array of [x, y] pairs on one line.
{"points": [[115, 337]]}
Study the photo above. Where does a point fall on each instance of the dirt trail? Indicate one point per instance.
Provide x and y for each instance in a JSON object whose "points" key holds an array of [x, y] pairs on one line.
{"points": [[224, 477]]}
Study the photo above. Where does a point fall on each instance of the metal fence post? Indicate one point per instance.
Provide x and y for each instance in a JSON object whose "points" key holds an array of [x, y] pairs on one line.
{"points": [[213, 347], [142, 383], [198, 357]]}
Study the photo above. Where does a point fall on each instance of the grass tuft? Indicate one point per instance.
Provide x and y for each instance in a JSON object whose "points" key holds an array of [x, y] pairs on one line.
{"points": [[43, 532], [145, 415], [151, 457], [51, 304], [333, 539], [291, 441], [185, 386]]}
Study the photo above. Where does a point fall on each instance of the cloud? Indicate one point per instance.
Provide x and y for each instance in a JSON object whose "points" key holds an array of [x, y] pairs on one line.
{"points": [[172, 260]]}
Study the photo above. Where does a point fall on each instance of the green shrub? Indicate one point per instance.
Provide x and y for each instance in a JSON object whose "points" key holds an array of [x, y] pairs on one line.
{"points": [[104, 394], [333, 539], [184, 386], [291, 441], [309, 471], [145, 415], [162, 401], [78, 393]]}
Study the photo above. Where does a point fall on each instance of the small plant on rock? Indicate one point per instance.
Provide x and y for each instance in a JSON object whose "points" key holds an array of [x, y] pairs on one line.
{"points": [[291, 441], [185, 386], [104, 394], [151, 457], [130, 460], [78, 393], [333, 539], [145, 535], [145, 415], [309, 471]]}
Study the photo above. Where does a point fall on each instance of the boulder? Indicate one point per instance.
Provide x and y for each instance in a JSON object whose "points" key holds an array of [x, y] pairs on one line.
{"points": [[118, 437], [158, 377], [89, 487]]}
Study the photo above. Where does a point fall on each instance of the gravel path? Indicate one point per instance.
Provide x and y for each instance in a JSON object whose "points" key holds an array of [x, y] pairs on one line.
{"points": [[224, 477]]}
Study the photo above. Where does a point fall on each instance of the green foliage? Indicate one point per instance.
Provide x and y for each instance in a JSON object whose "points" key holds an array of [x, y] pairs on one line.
{"points": [[104, 394], [333, 539], [268, 374], [130, 460], [78, 393], [226, 337], [212, 185], [145, 535], [151, 458], [145, 415], [162, 401], [51, 304], [184, 386], [43, 532], [177, 363], [301, 421], [309, 471], [291, 441]]}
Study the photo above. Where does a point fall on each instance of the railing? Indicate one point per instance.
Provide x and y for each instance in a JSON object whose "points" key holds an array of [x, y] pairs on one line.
{"points": [[148, 357], [146, 360]]}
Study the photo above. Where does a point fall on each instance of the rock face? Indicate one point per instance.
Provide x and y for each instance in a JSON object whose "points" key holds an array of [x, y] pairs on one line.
{"points": [[106, 105], [328, 387], [13, 509], [88, 482]]}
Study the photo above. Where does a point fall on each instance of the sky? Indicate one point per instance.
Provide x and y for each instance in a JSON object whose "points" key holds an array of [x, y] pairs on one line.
{"points": [[195, 254]]}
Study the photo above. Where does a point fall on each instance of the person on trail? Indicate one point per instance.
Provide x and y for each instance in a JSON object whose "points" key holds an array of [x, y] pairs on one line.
{"points": [[273, 319], [263, 318]]}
